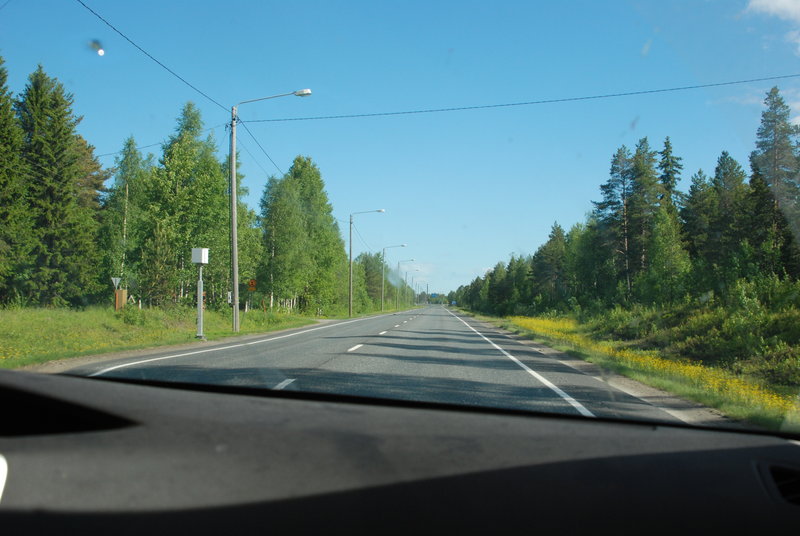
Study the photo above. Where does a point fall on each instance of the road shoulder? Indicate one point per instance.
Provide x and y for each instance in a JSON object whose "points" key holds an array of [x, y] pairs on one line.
{"points": [[58, 366], [684, 410]]}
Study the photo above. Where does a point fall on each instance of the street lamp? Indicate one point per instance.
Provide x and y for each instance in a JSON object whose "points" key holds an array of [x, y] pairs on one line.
{"points": [[383, 268], [397, 295], [350, 301], [234, 201], [412, 277]]}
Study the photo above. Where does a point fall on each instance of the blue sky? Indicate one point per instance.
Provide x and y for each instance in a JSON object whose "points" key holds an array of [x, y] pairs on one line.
{"points": [[463, 189]]}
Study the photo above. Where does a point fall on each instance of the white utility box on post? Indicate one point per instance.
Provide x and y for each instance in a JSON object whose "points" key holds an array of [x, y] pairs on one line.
{"points": [[199, 255], [200, 258]]}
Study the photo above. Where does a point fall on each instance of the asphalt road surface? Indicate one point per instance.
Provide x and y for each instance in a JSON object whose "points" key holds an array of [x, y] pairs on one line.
{"points": [[429, 354]]}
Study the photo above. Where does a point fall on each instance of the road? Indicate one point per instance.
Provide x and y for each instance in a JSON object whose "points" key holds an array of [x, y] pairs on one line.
{"points": [[429, 354]]}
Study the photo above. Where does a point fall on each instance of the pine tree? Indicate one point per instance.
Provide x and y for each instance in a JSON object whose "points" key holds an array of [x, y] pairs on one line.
{"points": [[613, 215], [775, 158]]}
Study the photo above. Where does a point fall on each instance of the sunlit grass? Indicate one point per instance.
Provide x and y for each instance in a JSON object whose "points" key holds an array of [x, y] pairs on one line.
{"points": [[32, 335], [735, 395]]}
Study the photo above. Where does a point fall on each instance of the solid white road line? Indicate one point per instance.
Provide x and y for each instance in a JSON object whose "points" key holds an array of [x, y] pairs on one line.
{"points": [[283, 384], [240, 345], [356, 347], [3, 474], [572, 402]]}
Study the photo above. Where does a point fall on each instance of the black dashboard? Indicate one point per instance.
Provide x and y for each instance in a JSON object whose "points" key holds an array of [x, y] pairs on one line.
{"points": [[89, 456]]}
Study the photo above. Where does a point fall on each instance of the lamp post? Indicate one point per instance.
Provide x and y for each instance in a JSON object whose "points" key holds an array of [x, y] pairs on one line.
{"points": [[350, 300], [412, 279], [397, 295], [383, 269], [234, 201]]}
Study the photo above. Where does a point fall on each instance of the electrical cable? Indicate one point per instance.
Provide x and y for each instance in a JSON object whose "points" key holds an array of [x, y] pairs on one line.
{"points": [[362, 239], [154, 144], [143, 51], [528, 103], [253, 157], [262, 148]]}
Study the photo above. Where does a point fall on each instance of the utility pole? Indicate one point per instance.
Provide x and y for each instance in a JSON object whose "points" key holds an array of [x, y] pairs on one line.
{"points": [[350, 300], [234, 234], [350, 294], [235, 202]]}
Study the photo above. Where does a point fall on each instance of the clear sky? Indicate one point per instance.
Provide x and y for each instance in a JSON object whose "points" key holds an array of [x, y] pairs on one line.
{"points": [[463, 189]]}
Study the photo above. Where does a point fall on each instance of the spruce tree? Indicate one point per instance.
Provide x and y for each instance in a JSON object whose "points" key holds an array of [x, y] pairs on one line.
{"points": [[645, 195], [670, 168], [64, 251], [16, 227]]}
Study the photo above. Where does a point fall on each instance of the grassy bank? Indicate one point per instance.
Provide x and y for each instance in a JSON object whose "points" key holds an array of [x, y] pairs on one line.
{"points": [[30, 335], [738, 395]]}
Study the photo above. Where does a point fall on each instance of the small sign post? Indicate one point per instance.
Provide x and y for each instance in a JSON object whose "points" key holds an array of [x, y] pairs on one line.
{"points": [[200, 258], [120, 294]]}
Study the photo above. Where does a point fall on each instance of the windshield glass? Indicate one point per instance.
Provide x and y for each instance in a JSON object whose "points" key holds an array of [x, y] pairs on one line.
{"points": [[587, 208]]}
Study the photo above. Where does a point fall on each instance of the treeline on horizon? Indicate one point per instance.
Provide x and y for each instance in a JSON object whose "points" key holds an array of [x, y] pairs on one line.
{"points": [[65, 232], [730, 242]]}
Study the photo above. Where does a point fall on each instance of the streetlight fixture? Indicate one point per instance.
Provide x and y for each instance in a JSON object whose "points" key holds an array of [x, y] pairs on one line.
{"points": [[397, 295], [383, 268], [234, 201], [350, 300]]}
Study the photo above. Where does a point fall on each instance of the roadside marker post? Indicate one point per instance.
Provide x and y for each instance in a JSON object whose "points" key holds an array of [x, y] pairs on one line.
{"points": [[200, 258]]}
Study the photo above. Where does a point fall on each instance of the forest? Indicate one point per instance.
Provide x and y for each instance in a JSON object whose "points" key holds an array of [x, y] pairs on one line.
{"points": [[68, 225], [710, 274]]}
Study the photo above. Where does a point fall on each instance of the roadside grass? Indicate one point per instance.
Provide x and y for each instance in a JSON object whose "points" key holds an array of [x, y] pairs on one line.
{"points": [[35, 335], [736, 395]]}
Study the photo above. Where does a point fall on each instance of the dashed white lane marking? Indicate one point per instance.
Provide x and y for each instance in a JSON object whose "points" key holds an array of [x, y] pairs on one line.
{"points": [[3, 474], [356, 347], [283, 384], [572, 402], [382, 333], [109, 369], [405, 321], [397, 325]]}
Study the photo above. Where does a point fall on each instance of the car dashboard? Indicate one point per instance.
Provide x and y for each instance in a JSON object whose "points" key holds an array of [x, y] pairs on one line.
{"points": [[95, 456]]}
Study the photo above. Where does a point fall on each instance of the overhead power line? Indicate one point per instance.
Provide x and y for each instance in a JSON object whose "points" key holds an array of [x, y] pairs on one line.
{"points": [[528, 103], [260, 147], [154, 144], [358, 233], [143, 51], [243, 146]]}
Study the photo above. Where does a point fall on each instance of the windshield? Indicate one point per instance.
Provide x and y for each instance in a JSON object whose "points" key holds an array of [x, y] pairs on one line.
{"points": [[584, 208]]}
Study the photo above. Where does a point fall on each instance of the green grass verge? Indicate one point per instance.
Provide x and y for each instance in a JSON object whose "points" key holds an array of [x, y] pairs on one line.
{"points": [[737, 396], [30, 335]]}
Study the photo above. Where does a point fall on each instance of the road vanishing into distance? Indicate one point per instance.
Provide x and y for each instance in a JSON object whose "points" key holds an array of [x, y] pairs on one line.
{"points": [[430, 354]]}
